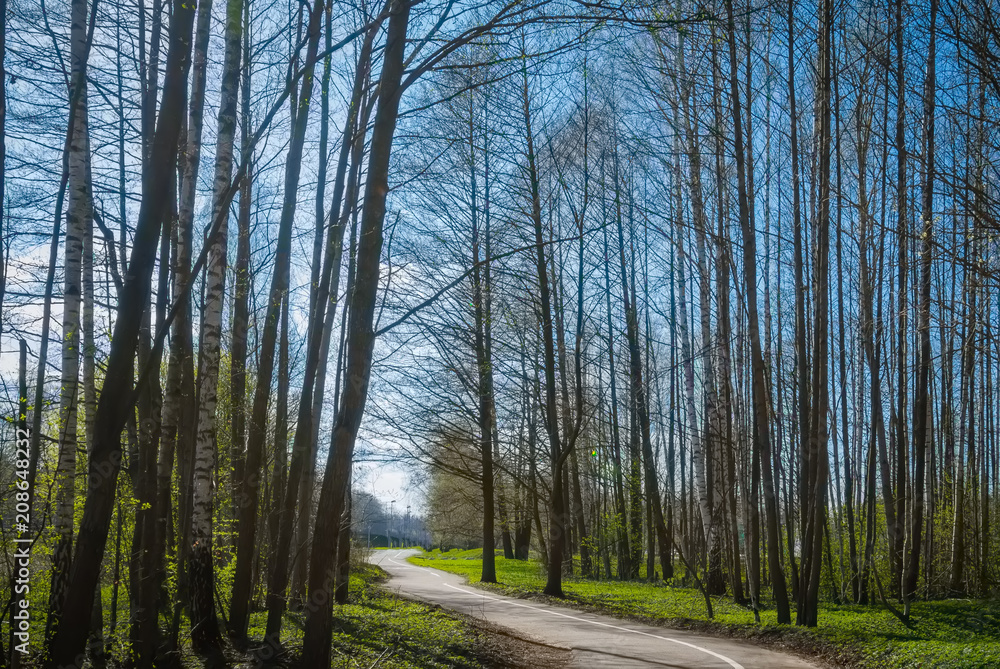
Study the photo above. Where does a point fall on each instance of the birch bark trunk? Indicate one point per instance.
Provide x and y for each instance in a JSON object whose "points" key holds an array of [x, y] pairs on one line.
{"points": [[79, 220], [204, 623]]}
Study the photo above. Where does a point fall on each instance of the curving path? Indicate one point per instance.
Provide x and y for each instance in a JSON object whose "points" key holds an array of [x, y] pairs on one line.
{"points": [[593, 640]]}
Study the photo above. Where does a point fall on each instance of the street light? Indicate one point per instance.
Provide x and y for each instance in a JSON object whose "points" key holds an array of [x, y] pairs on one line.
{"points": [[406, 526], [388, 532]]}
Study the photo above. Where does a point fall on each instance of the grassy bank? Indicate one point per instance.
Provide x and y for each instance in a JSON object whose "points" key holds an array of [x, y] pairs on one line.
{"points": [[958, 634], [379, 629]]}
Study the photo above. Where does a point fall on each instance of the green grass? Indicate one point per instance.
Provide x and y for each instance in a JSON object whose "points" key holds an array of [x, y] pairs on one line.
{"points": [[376, 624], [960, 634]]}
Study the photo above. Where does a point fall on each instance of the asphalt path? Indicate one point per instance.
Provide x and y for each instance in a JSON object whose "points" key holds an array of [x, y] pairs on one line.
{"points": [[593, 640]]}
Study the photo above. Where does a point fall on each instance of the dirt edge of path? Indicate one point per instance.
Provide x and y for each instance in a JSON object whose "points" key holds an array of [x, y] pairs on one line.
{"points": [[501, 648]]}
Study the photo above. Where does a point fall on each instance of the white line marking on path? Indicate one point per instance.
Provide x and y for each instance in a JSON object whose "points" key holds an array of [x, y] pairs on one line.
{"points": [[733, 663], [414, 568]]}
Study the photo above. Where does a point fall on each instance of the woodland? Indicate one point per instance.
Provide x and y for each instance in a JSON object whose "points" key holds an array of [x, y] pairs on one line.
{"points": [[698, 293]]}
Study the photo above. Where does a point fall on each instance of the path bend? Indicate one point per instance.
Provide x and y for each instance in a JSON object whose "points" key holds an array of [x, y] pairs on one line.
{"points": [[594, 641]]}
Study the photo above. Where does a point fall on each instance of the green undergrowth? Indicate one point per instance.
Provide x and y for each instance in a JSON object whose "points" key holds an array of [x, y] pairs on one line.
{"points": [[377, 628], [959, 634]]}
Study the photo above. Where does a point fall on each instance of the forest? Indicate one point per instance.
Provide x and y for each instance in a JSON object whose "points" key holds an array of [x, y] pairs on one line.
{"points": [[692, 293]]}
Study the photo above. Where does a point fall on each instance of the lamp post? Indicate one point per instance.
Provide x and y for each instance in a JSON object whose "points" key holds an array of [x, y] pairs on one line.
{"points": [[406, 526], [388, 532]]}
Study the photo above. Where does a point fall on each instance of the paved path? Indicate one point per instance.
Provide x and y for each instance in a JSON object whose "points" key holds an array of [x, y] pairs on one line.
{"points": [[593, 640]]}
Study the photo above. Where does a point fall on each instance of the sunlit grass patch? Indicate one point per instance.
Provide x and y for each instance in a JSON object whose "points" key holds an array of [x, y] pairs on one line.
{"points": [[962, 634]]}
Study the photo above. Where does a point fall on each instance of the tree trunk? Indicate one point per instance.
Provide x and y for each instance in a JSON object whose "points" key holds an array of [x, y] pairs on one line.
{"points": [[360, 345], [79, 219], [801, 355], [703, 445], [621, 514], [484, 364], [558, 524], [815, 456], [344, 553], [279, 471], [485, 392], [176, 435], [920, 403], [761, 403], [893, 519], [204, 624], [867, 332], [114, 404], [641, 404], [318, 343], [241, 289], [300, 564]]}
